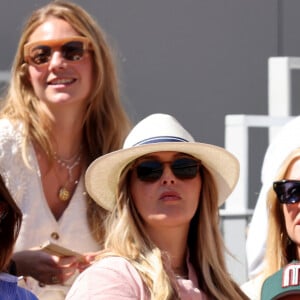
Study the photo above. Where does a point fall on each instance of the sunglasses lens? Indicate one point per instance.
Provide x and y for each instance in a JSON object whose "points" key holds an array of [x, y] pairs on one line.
{"points": [[149, 171], [182, 168], [288, 192], [185, 168], [73, 50], [40, 54]]}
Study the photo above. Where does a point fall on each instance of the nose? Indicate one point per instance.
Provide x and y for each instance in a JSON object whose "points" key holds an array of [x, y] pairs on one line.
{"points": [[56, 60], [167, 176]]}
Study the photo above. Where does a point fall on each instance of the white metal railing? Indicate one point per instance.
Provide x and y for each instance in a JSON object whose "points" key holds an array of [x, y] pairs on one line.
{"points": [[280, 87], [236, 213]]}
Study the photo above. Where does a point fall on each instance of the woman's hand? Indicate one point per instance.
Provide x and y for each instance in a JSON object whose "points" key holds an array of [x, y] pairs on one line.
{"points": [[45, 268], [89, 259]]}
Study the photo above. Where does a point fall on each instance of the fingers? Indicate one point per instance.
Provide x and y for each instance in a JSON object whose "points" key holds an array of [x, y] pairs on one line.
{"points": [[64, 268], [82, 266], [59, 277], [89, 259], [66, 273], [65, 261], [61, 271], [46, 268]]}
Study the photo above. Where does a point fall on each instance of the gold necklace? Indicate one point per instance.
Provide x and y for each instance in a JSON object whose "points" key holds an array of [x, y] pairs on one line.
{"points": [[64, 193]]}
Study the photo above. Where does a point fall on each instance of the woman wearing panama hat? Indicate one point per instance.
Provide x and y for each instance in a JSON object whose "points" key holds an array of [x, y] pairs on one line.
{"points": [[163, 240]]}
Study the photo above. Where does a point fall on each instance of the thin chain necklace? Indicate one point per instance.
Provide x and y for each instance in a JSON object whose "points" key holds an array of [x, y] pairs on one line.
{"points": [[64, 192]]}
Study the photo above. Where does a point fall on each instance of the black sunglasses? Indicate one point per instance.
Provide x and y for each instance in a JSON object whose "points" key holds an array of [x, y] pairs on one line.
{"points": [[182, 168], [71, 49], [287, 191]]}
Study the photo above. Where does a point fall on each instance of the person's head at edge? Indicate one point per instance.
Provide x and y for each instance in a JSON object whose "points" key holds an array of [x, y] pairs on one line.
{"points": [[10, 223], [283, 241], [114, 183]]}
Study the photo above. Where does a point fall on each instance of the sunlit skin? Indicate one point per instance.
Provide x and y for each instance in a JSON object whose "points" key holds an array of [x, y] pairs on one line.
{"points": [[166, 207], [292, 211], [64, 87], [169, 201], [60, 81]]}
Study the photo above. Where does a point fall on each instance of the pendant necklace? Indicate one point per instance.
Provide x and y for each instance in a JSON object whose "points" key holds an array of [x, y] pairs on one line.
{"points": [[64, 193]]}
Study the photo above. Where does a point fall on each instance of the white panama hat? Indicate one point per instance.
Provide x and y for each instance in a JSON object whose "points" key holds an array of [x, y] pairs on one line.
{"points": [[155, 133]]}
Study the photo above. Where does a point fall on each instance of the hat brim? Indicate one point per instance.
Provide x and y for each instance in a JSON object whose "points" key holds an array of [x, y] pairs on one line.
{"points": [[102, 176]]}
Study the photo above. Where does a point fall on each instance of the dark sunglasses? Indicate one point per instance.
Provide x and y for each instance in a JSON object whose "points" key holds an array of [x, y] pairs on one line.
{"points": [[287, 191], [182, 168], [72, 49]]}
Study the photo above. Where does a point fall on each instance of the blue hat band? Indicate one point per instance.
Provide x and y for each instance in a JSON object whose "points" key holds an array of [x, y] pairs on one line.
{"points": [[160, 139]]}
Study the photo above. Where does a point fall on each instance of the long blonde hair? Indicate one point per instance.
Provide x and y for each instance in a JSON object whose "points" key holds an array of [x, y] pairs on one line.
{"points": [[105, 123], [280, 250], [126, 237]]}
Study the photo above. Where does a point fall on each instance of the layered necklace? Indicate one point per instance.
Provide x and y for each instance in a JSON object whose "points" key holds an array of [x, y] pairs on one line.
{"points": [[65, 190]]}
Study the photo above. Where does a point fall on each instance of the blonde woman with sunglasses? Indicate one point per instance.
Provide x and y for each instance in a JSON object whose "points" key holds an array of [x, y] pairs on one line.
{"points": [[163, 239], [283, 237], [62, 110]]}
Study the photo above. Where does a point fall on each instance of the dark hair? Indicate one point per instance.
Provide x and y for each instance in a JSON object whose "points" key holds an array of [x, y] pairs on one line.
{"points": [[9, 225]]}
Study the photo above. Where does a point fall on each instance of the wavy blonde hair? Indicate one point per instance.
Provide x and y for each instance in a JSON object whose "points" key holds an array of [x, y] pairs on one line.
{"points": [[126, 237], [280, 250], [105, 123]]}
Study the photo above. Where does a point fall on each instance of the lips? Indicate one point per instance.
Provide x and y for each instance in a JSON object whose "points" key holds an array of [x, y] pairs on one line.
{"points": [[169, 196], [61, 81]]}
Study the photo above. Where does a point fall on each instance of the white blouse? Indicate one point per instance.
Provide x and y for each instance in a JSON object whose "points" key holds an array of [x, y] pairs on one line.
{"points": [[39, 224]]}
